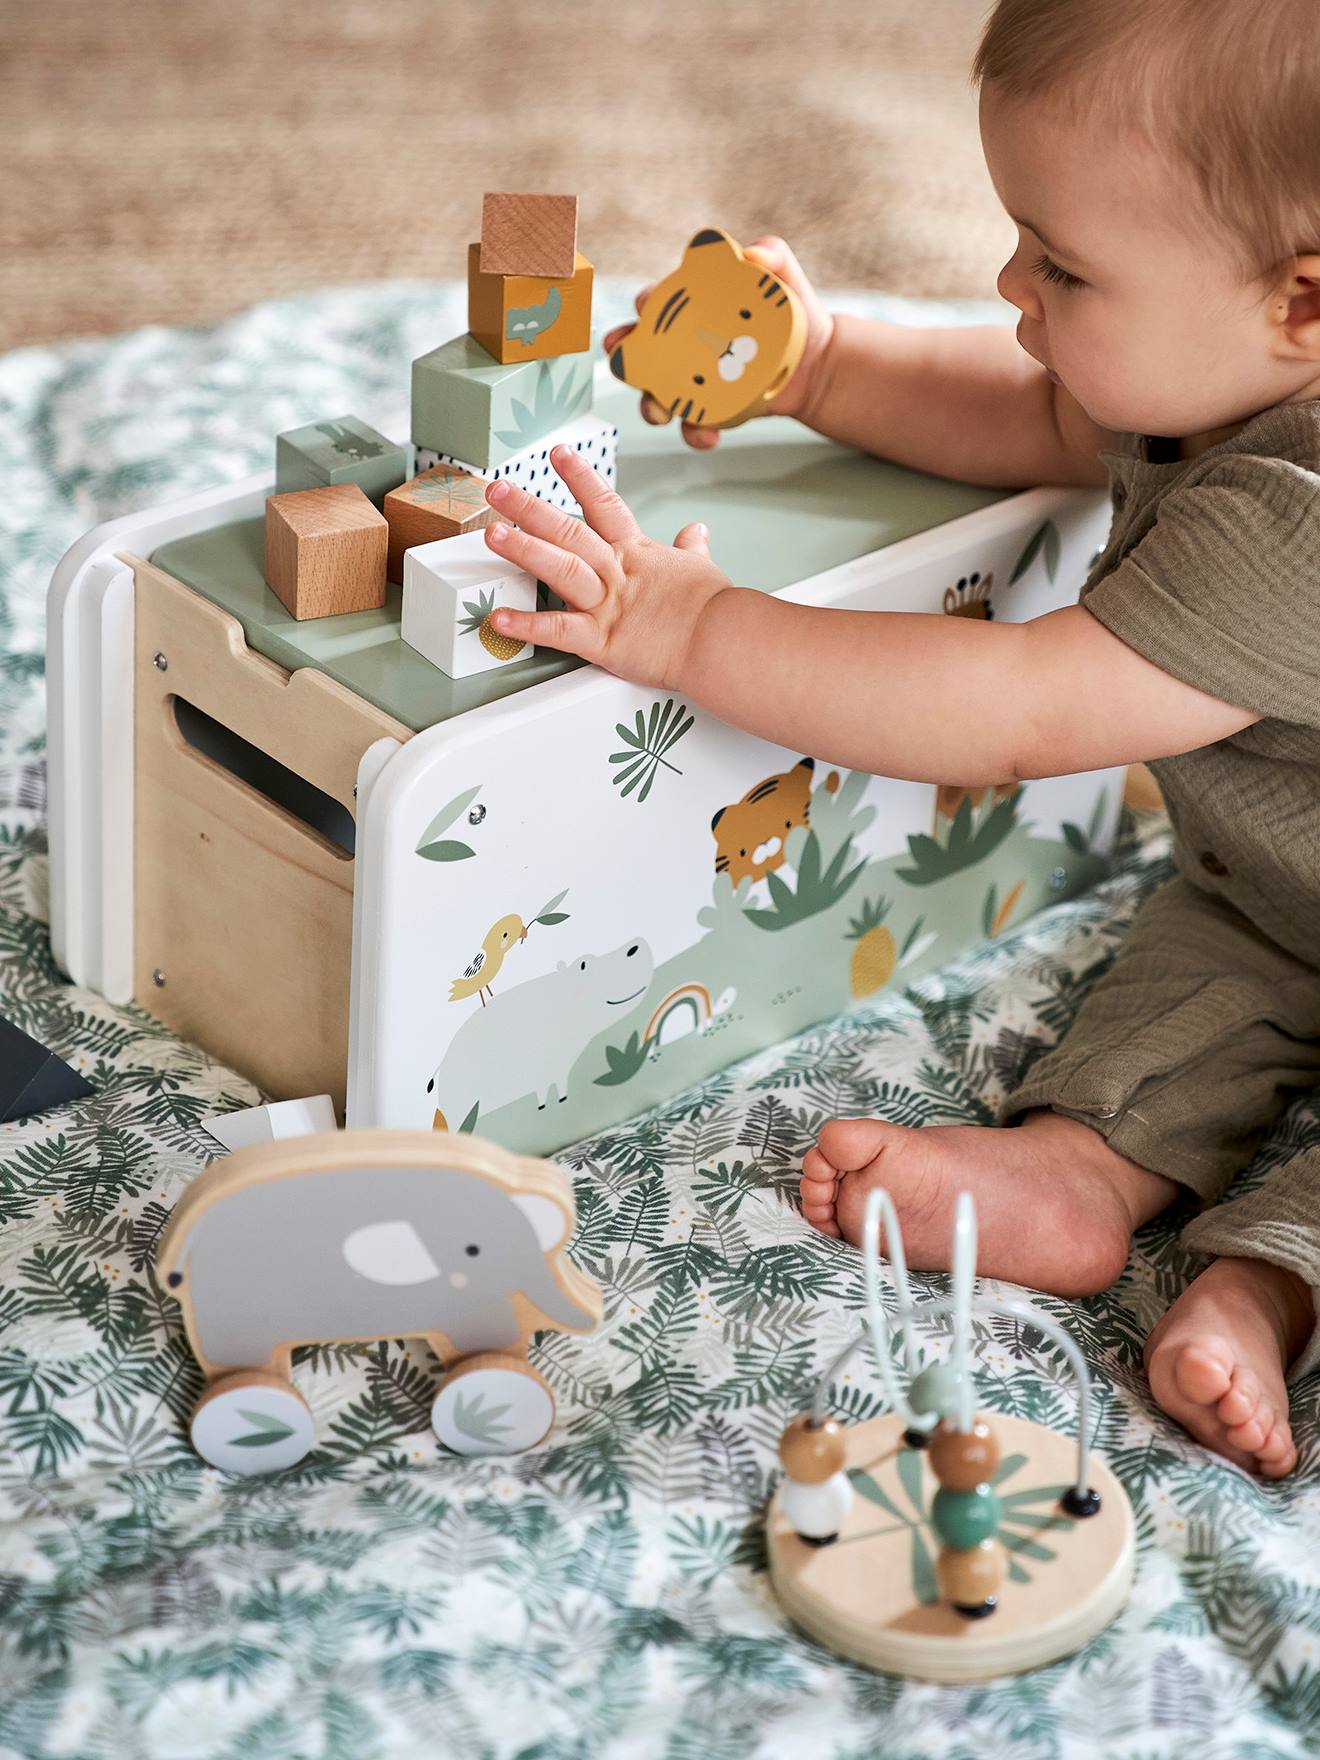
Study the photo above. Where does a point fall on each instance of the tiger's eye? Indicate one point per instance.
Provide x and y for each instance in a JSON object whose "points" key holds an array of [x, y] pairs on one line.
{"points": [[744, 313], [698, 378]]}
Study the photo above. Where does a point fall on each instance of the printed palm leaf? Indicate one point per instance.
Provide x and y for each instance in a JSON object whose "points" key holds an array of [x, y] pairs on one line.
{"points": [[1079, 840], [648, 740], [971, 840], [266, 1431], [478, 610], [557, 399], [550, 913], [431, 846], [1045, 539], [483, 1423], [623, 1064], [450, 491], [816, 890]]}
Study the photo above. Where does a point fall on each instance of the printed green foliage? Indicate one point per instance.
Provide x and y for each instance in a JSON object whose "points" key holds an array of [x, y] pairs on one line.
{"points": [[432, 847], [623, 1064], [556, 399], [484, 1423], [1080, 840], [1043, 541], [819, 856], [973, 835], [526, 323], [549, 914], [647, 741], [478, 610], [452, 492], [265, 1430]]}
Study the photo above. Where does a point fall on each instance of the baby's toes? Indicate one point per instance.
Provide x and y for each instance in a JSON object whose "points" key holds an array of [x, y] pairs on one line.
{"points": [[817, 1169], [1251, 1434], [1240, 1402], [1278, 1453]]}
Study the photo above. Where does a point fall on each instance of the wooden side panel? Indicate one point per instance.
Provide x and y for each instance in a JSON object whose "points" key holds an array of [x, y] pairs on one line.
{"points": [[242, 908]]}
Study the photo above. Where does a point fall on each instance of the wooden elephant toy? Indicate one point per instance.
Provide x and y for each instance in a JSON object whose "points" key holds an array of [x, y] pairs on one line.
{"points": [[357, 1236]]}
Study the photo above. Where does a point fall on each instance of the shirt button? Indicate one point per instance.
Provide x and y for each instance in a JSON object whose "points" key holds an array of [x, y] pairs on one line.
{"points": [[1212, 864]]}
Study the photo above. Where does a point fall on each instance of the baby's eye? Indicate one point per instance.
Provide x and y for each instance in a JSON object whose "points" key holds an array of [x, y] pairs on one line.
{"points": [[1049, 270]]}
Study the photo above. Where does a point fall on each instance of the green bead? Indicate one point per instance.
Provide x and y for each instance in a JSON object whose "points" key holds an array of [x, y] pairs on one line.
{"points": [[935, 1390], [965, 1518]]}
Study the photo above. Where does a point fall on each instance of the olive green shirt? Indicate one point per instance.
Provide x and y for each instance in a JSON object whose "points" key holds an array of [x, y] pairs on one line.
{"points": [[1212, 571]]}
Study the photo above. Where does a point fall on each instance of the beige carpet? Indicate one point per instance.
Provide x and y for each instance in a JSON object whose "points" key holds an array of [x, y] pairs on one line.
{"points": [[173, 162]]}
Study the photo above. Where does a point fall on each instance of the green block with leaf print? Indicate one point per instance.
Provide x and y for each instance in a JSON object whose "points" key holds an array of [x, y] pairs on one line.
{"points": [[344, 450], [471, 407]]}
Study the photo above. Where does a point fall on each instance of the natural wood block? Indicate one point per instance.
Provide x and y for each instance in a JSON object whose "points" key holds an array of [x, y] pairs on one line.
{"points": [[528, 235], [439, 503], [326, 551], [529, 317]]}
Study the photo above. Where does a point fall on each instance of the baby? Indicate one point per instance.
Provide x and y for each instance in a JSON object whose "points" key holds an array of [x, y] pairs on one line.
{"points": [[1161, 160]]}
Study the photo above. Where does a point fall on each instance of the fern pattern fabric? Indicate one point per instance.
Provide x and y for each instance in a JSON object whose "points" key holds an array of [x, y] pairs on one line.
{"points": [[606, 1594]]}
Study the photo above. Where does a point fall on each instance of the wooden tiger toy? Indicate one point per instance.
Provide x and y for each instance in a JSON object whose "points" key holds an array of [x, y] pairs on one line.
{"points": [[715, 340]]}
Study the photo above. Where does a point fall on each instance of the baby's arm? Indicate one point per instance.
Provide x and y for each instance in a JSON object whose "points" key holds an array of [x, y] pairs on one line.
{"points": [[920, 696]]}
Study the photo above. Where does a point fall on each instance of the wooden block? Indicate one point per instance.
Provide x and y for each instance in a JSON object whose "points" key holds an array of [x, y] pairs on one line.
{"points": [[715, 340], [450, 589], [466, 405], [528, 235], [529, 317], [531, 469], [326, 551], [440, 503], [345, 450]]}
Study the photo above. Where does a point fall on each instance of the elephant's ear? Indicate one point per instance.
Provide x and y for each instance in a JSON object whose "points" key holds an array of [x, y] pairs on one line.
{"points": [[545, 1216], [389, 1252]]}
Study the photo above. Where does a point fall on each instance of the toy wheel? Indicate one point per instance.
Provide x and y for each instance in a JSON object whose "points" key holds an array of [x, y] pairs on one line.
{"points": [[251, 1422], [492, 1405]]}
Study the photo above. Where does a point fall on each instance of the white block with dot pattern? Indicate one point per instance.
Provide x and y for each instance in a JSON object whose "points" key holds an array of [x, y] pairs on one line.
{"points": [[531, 469]]}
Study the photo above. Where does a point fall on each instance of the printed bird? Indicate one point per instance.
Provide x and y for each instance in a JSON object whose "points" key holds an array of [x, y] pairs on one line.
{"points": [[477, 976]]}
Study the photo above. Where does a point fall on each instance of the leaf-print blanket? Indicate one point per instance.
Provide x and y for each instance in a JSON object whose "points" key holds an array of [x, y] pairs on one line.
{"points": [[604, 1595]]}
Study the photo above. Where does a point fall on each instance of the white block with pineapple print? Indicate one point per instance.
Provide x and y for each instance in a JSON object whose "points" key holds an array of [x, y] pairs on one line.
{"points": [[450, 588]]}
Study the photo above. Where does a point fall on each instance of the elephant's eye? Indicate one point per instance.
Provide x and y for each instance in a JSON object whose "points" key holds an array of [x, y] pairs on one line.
{"points": [[472, 1251]]}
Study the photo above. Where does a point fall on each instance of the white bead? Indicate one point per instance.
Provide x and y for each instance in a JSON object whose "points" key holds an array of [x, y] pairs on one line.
{"points": [[817, 1512]]}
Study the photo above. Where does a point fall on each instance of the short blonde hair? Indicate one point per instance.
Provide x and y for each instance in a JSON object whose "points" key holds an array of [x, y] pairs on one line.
{"points": [[1229, 89]]}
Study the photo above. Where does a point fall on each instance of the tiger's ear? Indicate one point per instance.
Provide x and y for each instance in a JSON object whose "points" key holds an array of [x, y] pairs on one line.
{"points": [[616, 364], [715, 821], [711, 235], [806, 764]]}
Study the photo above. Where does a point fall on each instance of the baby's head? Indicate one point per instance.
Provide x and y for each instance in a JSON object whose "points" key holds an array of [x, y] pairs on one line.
{"points": [[1162, 161]]}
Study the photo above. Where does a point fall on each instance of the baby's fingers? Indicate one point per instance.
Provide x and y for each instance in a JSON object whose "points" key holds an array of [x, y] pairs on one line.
{"points": [[603, 508], [572, 632], [571, 577]]}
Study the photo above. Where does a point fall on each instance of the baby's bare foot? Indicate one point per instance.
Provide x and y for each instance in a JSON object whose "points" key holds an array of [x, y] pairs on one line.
{"points": [[1055, 1205], [1216, 1360]]}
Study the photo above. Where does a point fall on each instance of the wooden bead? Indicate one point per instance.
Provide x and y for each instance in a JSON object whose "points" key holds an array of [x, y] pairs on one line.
{"points": [[964, 1518], [812, 1453], [970, 1576], [964, 1459]]}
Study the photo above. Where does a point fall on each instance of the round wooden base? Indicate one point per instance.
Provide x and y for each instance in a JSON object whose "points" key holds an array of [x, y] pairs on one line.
{"points": [[870, 1595]]}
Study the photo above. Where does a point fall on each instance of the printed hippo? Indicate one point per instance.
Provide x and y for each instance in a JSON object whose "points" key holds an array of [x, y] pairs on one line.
{"points": [[295, 1253], [528, 1037]]}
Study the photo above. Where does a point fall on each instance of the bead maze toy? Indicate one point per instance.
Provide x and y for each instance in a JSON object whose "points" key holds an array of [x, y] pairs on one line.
{"points": [[300, 840], [715, 340], [1032, 1537], [364, 1236]]}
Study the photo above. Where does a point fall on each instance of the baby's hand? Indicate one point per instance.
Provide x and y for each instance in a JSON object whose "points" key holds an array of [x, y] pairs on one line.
{"points": [[632, 604], [772, 254]]}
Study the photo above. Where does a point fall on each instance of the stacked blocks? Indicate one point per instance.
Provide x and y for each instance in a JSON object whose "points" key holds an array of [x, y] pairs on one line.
{"points": [[442, 502], [325, 551], [450, 588], [531, 468], [965, 1514], [345, 450], [528, 235], [529, 317]]}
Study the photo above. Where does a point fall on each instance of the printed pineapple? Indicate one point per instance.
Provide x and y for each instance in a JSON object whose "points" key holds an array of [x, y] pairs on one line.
{"points": [[478, 619], [874, 957]]}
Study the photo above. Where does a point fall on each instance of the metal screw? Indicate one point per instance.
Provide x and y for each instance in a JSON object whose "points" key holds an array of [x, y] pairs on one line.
{"points": [[158, 978], [477, 814], [1058, 878], [160, 663]]}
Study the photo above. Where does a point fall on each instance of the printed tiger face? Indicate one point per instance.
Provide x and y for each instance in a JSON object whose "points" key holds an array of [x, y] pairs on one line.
{"points": [[971, 597], [716, 339], [750, 835]]}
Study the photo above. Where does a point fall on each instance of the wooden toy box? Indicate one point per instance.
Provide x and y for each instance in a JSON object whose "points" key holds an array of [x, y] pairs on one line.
{"points": [[291, 842]]}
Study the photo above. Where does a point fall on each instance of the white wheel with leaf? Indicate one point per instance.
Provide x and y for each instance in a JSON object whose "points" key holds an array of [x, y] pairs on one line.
{"points": [[251, 1422], [492, 1404]]}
